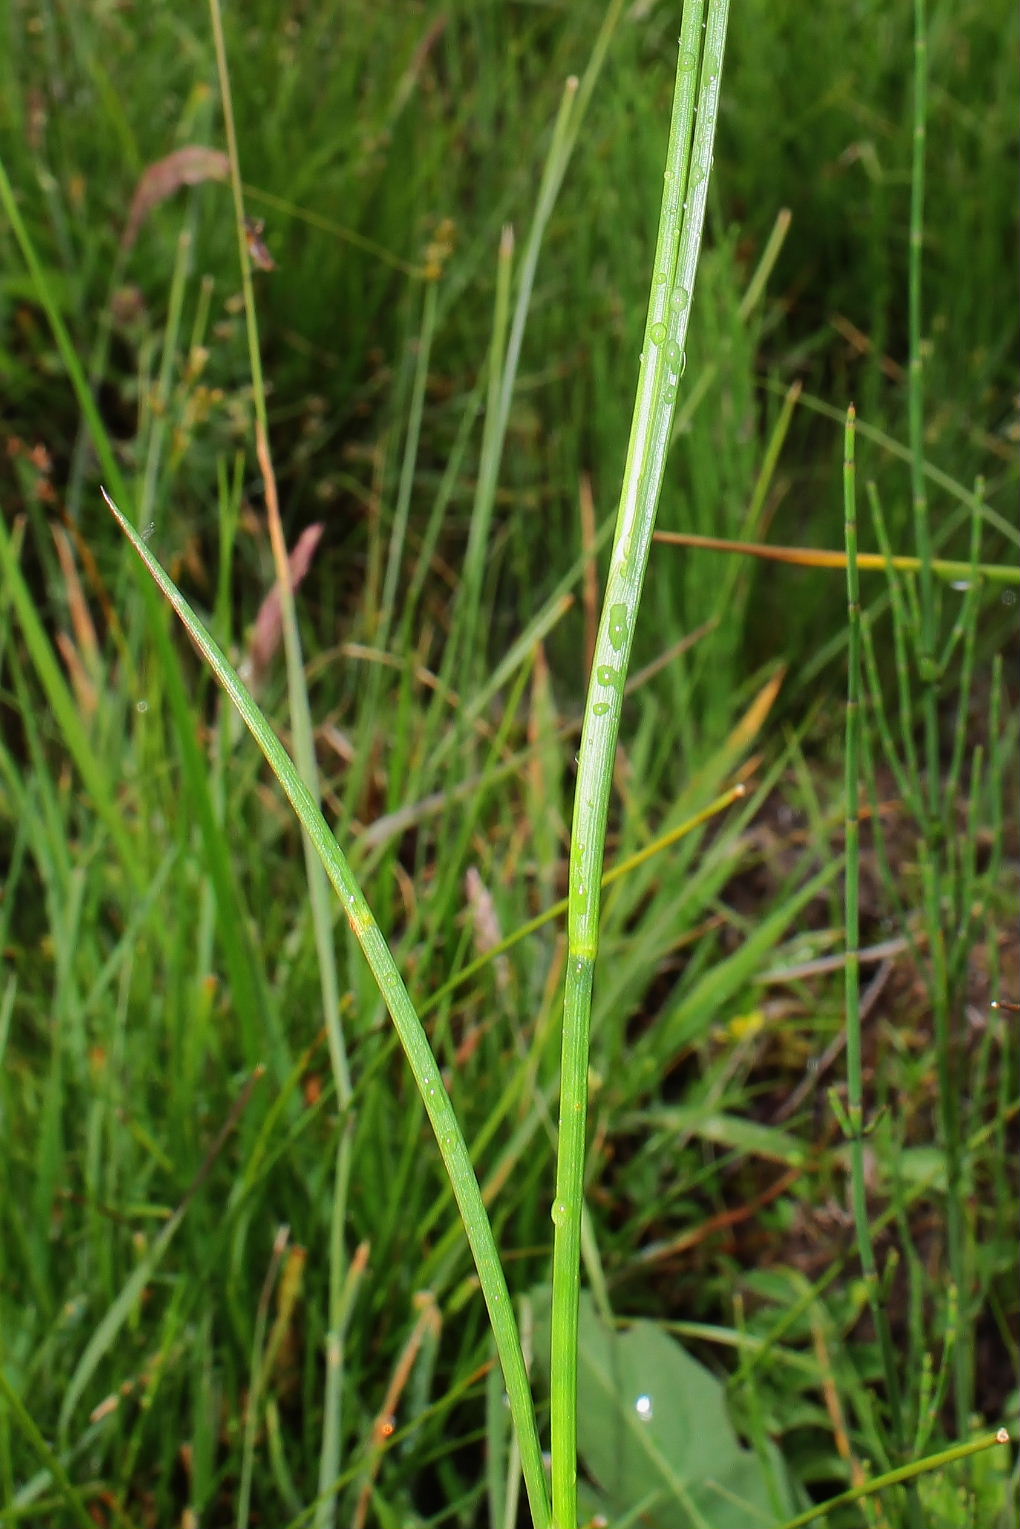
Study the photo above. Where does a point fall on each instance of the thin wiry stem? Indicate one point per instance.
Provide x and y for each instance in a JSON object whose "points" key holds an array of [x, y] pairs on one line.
{"points": [[855, 1085], [935, 860]]}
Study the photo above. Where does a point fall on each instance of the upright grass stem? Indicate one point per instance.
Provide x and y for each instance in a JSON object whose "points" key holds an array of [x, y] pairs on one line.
{"points": [[855, 1083], [508, 330], [304, 750], [934, 861], [681, 222]]}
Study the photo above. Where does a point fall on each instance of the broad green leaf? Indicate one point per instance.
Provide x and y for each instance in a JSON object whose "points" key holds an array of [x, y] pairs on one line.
{"points": [[654, 1434]]}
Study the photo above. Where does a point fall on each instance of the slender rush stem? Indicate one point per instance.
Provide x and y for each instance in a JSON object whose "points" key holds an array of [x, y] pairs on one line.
{"points": [[934, 864], [854, 1073], [304, 753], [911, 1472], [681, 221], [919, 488]]}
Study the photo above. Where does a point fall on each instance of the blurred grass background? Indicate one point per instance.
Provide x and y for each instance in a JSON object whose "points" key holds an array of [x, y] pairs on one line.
{"points": [[155, 931]]}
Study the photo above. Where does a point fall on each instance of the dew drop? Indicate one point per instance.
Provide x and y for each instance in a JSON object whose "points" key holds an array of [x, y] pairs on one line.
{"points": [[607, 675], [141, 707], [674, 355], [559, 1213], [657, 334], [617, 626], [601, 708], [643, 1407], [688, 61], [681, 297], [660, 278]]}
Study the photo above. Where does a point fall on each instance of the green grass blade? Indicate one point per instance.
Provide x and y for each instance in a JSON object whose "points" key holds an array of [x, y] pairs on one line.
{"points": [[413, 1039], [855, 1085], [24, 1420], [65, 709]]}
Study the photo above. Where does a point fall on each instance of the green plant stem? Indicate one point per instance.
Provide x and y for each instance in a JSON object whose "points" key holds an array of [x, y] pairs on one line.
{"points": [[258, 1371], [70, 1496], [681, 222], [304, 752], [493, 434], [909, 1472], [934, 826], [855, 1085], [918, 486], [343, 1279], [508, 330]]}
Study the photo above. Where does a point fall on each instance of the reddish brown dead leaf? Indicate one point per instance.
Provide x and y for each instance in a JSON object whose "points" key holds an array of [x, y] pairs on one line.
{"points": [[84, 628], [265, 637]]}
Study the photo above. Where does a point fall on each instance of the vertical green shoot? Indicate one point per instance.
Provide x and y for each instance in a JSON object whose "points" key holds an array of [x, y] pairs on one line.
{"points": [[681, 222], [934, 861], [304, 749], [918, 485], [855, 1081]]}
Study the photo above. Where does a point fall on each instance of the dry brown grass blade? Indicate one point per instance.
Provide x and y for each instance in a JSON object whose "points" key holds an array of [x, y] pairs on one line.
{"points": [[429, 1323], [81, 619], [821, 557], [485, 922], [189, 166], [802, 557], [268, 628], [753, 720], [81, 653]]}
